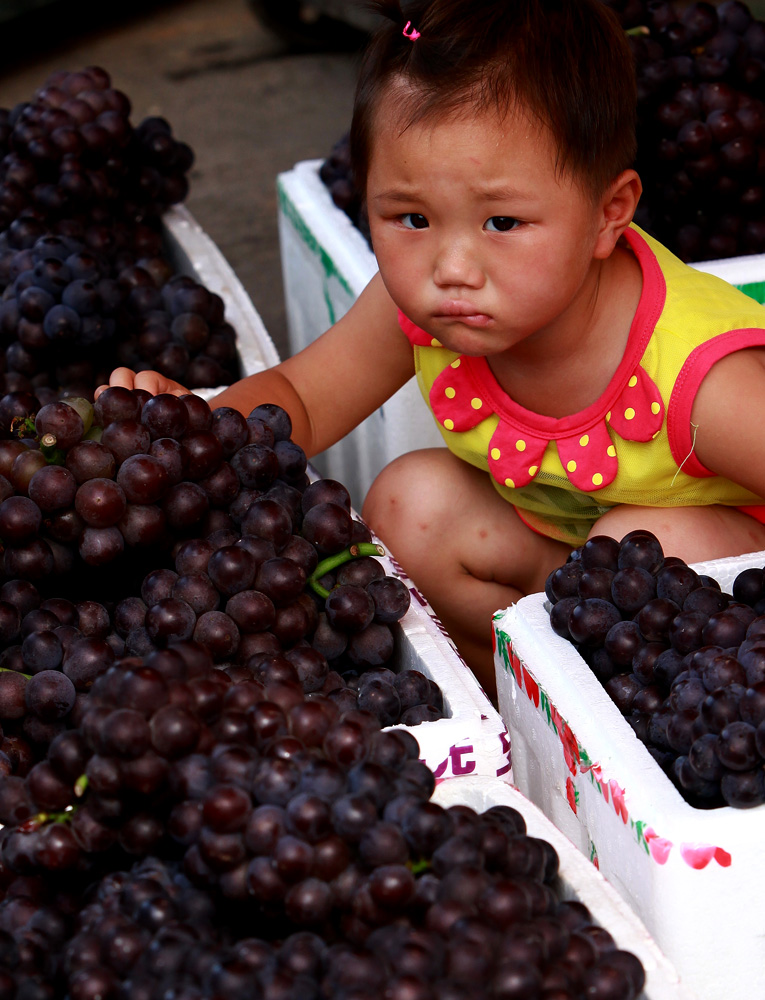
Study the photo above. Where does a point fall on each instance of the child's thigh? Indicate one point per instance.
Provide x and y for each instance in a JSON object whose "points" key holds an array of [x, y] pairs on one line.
{"points": [[690, 533], [438, 512]]}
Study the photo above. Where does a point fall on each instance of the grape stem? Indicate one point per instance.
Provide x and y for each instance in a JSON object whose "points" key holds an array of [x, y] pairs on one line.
{"points": [[332, 562], [10, 670], [41, 818], [49, 448]]}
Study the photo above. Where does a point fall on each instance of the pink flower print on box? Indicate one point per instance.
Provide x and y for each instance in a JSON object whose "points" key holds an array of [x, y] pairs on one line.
{"points": [[532, 688], [571, 794], [659, 847], [699, 855], [617, 799]]}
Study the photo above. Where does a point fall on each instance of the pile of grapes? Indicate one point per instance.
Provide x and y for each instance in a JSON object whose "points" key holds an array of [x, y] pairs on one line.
{"points": [[294, 855], [701, 124], [187, 524], [701, 128], [197, 796], [681, 659], [85, 284], [337, 175]]}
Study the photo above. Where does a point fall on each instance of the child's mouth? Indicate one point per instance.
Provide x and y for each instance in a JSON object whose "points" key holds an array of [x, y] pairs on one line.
{"points": [[464, 312]]}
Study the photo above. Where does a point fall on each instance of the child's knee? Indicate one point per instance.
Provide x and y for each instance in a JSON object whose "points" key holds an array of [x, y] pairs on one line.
{"points": [[409, 487]]}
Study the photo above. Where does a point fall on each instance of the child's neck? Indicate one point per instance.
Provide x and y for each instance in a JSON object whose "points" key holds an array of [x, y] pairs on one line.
{"points": [[565, 369]]}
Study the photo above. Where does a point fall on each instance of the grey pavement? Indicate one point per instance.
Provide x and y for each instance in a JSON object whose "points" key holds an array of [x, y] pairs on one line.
{"points": [[248, 105]]}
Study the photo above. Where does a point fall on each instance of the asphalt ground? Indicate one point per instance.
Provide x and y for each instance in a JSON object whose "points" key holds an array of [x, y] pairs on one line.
{"points": [[248, 103]]}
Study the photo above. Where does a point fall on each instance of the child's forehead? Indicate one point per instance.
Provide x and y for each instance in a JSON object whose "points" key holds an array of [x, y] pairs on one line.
{"points": [[399, 114]]}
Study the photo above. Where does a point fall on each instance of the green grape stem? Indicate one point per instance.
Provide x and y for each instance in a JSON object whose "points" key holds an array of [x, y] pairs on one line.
{"points": [[41, 818], [418, 867], [9, 670], [355, 551], [49, 448]]}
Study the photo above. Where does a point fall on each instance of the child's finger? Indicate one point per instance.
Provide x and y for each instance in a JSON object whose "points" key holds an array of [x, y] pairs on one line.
{"points": [[155, 383], [122, 376]]}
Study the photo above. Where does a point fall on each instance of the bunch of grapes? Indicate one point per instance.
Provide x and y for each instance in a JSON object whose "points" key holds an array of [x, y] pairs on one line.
{"points": [[284, 819], [683, 661], [701, 124], [214, 545], [70, 153], [69, 314], [337, 175], [84, 279]]}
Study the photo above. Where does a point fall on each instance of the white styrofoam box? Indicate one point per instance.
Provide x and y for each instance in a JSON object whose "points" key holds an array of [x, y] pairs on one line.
{"points": [[326, 263], [577, 879], [746, 273], [472, 739], [192, 252], [693, 876]]}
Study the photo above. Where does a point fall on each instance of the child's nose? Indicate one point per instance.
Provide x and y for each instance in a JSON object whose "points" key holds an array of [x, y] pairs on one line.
{"points": [[457, 265]]}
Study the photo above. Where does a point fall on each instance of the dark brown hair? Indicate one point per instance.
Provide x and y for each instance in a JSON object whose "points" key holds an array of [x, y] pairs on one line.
{"points": [[565, 62]]}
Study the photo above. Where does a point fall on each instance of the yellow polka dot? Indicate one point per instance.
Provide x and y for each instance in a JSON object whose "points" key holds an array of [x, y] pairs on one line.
{"points": [[435, 343], [520, 445], [571, 466], [449, 425], [584, 440], [655, 408], [632, 382], [457, 363], [654, 436], [450, 393], [476, 403], [510, 484], [629, 413], [533, 469], [611, 451], [495, 453], [597, 479], [608, 416]]}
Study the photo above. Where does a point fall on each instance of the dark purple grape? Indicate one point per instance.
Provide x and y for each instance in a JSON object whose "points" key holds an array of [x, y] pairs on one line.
{"points": [[632, 587], [590, 621]]}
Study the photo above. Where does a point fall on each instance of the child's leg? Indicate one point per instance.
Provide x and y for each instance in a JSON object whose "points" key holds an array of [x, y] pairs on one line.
{"points": [[461, 543], [690, 533]]}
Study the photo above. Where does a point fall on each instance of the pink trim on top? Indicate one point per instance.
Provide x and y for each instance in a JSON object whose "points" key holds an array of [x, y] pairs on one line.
{"points": [[697, 365], [414, 334], [650, 307]]}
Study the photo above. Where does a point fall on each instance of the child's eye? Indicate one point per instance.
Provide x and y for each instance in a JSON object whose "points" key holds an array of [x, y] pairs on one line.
{"points": [[501, 223], [413, 220]]}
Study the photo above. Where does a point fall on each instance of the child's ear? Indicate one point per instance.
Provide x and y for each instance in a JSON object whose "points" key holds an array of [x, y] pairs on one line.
{"points": [[618, 206]]}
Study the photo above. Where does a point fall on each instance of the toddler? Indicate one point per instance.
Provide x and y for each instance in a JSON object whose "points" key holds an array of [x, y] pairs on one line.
{"points": [[585, 380]]}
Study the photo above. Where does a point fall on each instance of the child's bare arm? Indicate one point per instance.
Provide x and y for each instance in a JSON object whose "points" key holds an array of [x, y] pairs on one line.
{"points": [[331, 385], [728, 415]]}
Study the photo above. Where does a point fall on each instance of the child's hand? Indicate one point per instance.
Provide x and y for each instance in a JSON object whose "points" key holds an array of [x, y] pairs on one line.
{"points": [[152, 382]]}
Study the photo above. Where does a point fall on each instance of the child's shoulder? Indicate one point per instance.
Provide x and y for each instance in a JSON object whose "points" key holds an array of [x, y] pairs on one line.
{"points": [[689, 300]]}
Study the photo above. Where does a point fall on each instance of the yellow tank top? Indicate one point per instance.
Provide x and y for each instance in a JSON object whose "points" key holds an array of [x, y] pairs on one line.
{"points": [[635, 444]]}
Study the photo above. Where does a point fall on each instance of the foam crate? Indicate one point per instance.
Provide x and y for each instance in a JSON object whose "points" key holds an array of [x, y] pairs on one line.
{"points": [[472, 739], [577, 880], [326, 263], [693, 876], [192, 252]]}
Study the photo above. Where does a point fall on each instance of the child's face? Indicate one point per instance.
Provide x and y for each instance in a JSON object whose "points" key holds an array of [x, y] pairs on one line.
{"points": [[479, 240]]}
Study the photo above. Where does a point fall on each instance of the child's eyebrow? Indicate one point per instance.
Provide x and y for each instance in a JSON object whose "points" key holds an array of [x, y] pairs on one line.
{"points": [[488, 192], [396, 194]]}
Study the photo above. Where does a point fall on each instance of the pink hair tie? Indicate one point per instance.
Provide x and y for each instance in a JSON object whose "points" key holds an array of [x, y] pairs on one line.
{"points": [[413, 34]]}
